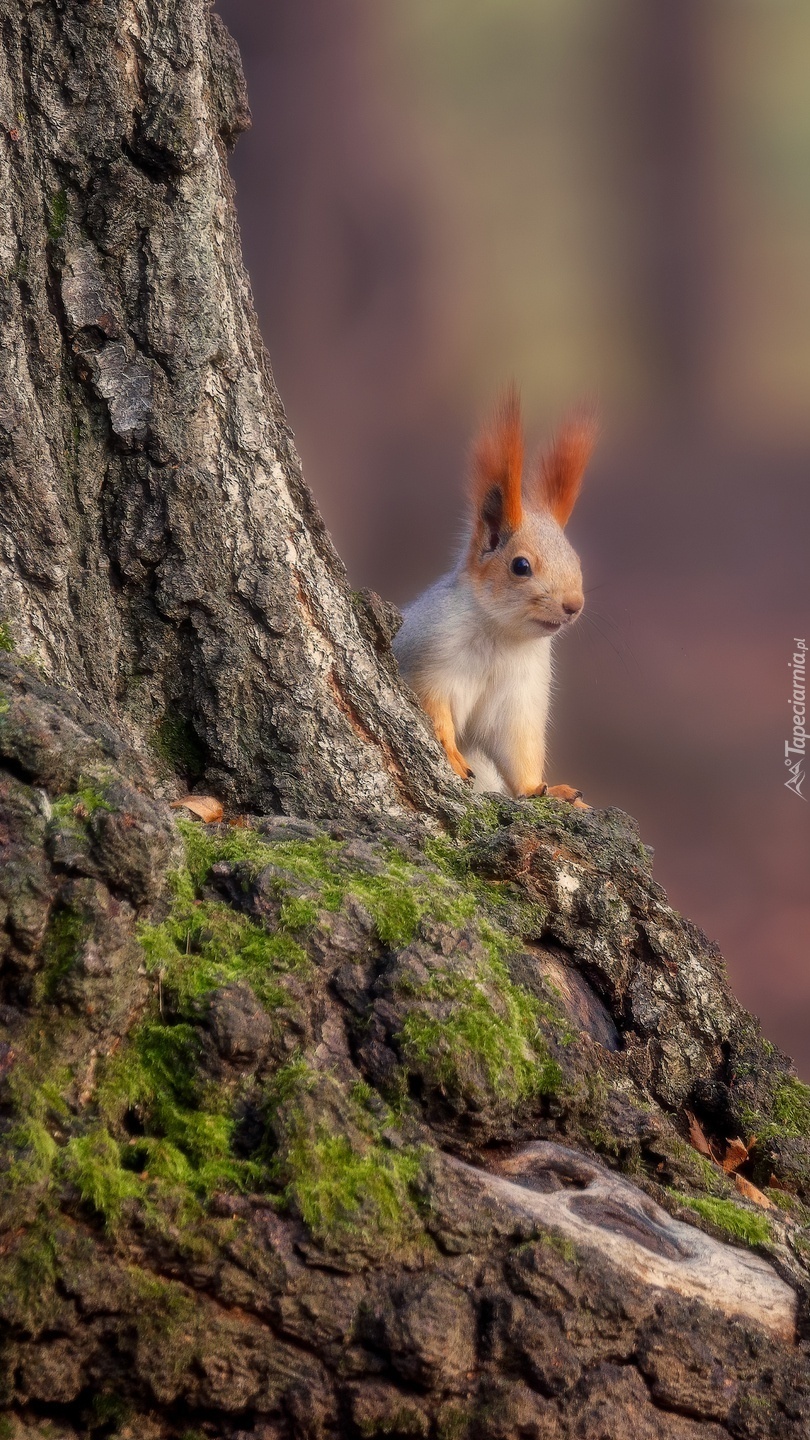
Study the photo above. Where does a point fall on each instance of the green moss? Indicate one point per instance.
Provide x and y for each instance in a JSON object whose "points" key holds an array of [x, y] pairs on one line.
{"points": [[503, 1037], [398, 899], [340, 1174], [606, 1143], [733, 1219], [64, 937], [710, 1178], [484, 815], [154, 1052], [28, 1275], [35, 1152], [338, 1189], [402, 897], [176, 742], [563, 1246], [203, 945], [343, 1181], [481, 818], [486, 1035], [165, 1315], [80, 804], [454, 1421], [297, 913], [791, 1108], [310, 861], [363, 1094], [57, 214], [401, 1419], [449, 856], [467, 856], [187, 1125], [31, 1150], [38, 1096], [6, 638], [93, 1164], [108, 1409], [789, 1203], [164, 1303], [758, 1405], [502, 903], [289, 1082], [395, 911], [786, 1114], [690, 1168]]}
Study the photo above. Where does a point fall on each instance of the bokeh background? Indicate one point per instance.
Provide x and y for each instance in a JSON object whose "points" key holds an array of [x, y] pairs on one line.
{"points": [[606, 199]]}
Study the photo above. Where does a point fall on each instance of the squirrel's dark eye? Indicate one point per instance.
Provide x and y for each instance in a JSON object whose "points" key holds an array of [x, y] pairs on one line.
{"points": [[521, 566]]}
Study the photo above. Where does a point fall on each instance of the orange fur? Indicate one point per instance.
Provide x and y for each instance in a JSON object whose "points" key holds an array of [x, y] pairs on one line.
{"points": [[525, 772], [497, 469], [442, 717], [559, 470]]}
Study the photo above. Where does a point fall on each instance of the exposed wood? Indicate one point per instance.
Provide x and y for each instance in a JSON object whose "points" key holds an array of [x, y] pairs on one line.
{"points": [[579, 1198]]}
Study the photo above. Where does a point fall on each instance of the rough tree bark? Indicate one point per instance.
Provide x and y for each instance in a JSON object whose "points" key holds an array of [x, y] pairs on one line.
{"points": [[160, 550], [338, 1121]]}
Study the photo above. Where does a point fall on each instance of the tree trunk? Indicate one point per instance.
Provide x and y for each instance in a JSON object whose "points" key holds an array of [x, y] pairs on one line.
{"points": [[331, 1123], [160, 550]]}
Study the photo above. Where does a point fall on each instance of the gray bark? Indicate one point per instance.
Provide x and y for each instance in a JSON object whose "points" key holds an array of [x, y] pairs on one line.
{"points": [[159, 549]]}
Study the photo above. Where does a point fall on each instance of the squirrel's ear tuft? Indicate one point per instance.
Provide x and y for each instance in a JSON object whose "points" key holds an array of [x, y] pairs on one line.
{"points": [[497, 467], [559, 470]]}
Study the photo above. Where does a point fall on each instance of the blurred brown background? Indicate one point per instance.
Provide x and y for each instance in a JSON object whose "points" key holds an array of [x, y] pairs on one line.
{"points": [[609, 199]]}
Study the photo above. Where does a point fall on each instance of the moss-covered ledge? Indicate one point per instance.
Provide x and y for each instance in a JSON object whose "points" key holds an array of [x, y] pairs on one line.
{"points": [[239, 1062]]}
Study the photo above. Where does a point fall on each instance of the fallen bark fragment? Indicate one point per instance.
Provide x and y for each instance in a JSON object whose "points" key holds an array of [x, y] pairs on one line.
{"points": [[205, 807], [735, 1156], [751, 1192]]}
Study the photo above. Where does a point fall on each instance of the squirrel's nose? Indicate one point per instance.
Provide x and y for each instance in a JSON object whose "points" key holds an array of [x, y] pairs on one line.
{"points": [[572, 606]]}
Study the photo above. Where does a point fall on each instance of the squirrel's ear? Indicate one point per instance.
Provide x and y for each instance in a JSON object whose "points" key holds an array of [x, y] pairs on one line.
{"points": [[559, 470], [497, 466]]}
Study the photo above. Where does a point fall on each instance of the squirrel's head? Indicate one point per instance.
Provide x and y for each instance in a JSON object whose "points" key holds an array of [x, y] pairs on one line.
{"points": [[525, 574]]}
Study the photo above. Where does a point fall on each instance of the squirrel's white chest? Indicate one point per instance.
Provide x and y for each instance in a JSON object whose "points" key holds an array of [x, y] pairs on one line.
{"points": [[495, 684], [495, 689]]}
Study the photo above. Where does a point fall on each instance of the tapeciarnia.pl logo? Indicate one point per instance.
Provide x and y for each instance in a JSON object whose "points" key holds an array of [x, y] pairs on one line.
{"points": [[795, 752]]}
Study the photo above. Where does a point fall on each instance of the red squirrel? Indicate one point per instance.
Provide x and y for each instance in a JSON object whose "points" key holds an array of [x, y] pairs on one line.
{"points": [[476, 646]]}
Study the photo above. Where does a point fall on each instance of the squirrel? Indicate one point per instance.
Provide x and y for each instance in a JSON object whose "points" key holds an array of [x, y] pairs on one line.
{"points": [[476, 646]]}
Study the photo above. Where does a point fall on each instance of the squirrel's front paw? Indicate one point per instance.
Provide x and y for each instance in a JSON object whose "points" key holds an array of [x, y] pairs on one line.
{"points": [[561, 792], [459, 764], [568, 793]]}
